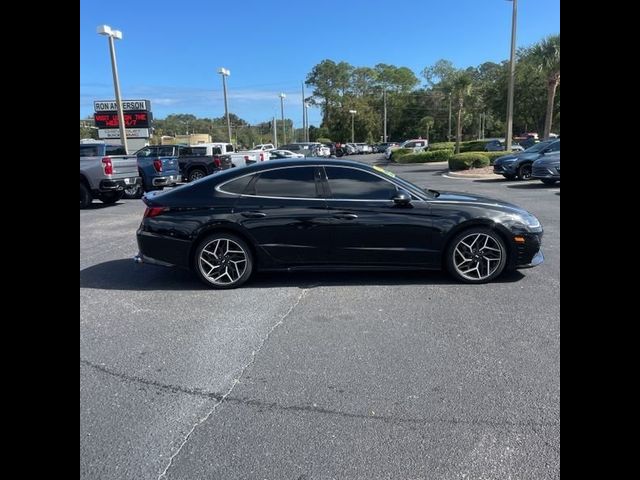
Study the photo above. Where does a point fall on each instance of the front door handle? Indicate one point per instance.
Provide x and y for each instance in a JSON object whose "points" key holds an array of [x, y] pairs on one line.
{"points": [[253, 214], [346, 216]]}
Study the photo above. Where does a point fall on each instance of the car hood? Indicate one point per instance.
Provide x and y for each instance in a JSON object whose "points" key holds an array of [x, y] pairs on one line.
{"points": [[467, 198], [517, 156], [548, 160]]}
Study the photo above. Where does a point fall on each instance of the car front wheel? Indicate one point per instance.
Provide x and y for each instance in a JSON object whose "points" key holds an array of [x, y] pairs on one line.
{"points": [[223, 261], [524, 172], [477, 255]]}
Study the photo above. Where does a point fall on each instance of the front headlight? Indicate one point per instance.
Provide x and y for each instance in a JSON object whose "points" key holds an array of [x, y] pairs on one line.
{"points": [[530, 220]]}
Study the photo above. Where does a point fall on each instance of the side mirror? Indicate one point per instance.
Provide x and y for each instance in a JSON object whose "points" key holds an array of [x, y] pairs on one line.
{"points": [[402, 198]]}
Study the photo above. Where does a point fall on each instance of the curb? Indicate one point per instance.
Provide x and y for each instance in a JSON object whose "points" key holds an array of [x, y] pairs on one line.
{"points": [[451, 174]]}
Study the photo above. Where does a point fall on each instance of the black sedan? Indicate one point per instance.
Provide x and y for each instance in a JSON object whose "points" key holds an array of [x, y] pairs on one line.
{"points": [[319, 214]]}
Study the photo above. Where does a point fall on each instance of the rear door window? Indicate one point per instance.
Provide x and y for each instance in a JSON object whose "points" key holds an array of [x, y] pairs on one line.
{"points": [[294, 182]]}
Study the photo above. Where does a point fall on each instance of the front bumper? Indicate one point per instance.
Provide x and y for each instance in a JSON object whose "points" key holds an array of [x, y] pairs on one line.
{"points": [[505, 169], [528, 254], [113, 185], [546, 173]]}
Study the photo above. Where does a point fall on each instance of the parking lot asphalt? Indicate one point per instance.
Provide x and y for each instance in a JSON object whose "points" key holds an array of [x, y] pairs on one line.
{"points": [[319, 375]]}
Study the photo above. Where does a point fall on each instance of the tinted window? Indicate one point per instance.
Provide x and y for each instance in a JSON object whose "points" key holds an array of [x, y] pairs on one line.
{"points": [[554, 147], [229, 148], [115, 150], [91, 150], [237, 186], [357, 184], [298, 182]]}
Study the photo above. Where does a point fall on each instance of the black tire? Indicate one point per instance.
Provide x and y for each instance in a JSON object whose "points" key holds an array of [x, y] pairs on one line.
{"points": [[486, 272], [196, 174], [111, 197], [524, 171], [227, 260], [549, 181], [509, 177], [134, 191], [85, 196]]}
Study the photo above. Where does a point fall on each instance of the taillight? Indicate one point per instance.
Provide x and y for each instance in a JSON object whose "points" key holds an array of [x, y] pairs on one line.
{"points": [[157, 164], [216, 162], [107, 165], [262, 157], [151, 212]]}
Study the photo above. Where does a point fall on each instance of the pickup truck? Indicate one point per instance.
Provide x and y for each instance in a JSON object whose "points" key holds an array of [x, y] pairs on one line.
{"points": [[157, 168], [105, 171], [239, 159], [194, 162]]}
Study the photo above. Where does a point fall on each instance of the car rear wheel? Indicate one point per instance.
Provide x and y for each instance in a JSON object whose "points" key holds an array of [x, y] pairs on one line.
{"points": [[196, 174], [223, 261], [134, 191], [477, 255], [524, 172], [111, 197], [85, 196]]}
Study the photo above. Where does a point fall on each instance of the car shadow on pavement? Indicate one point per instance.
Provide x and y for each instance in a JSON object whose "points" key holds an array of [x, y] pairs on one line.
{"points": [[124, 274], [533, 186], [100, 205], [492, 180]]}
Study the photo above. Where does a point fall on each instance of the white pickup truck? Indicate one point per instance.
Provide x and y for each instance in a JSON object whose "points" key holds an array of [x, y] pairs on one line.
{"points": [[240, 158]]}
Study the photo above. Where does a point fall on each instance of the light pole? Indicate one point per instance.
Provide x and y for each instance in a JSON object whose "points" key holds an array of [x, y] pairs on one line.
{"points": [[449, 135], [512, 70], [111, 34], [353, 115], [284, 130], [225, 73]]}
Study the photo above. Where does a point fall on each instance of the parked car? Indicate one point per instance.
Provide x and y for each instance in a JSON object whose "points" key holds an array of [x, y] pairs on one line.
{"points": [[158, 168], [381, 147], [547, 168], [323, 214], [105, 171], [518, 165], [364, 148], [307, 149], [278, 153], [498, 145], [264, 146], [417, 145]]}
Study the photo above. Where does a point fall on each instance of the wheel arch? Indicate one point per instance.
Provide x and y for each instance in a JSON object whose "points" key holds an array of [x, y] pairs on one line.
{"points": [[221, 228]]}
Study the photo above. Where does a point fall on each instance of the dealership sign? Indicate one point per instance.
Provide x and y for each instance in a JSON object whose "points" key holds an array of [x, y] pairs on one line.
{"points": [[127, 105], [131, 133]]}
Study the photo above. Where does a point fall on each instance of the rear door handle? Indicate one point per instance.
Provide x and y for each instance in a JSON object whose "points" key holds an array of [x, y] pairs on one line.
{"points": [[346, 216], [253, 214]]}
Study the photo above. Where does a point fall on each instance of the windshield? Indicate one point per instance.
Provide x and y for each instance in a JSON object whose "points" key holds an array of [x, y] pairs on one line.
{"points": [[539, 146]]}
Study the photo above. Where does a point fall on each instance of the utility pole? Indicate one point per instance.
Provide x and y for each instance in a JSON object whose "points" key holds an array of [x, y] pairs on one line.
{"points": [[304, 107], [275, 132], [384, 99], [449, 136], [284, 130], [512, 70], [353, 116], [225, 73]]}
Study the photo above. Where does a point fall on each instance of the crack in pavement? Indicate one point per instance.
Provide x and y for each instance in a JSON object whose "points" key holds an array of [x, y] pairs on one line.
{"points": [[235, 382]]}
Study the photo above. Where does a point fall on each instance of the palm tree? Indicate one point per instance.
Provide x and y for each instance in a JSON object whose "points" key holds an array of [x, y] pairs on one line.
{"points": [[461, 88], [426, 123], [546, 57]]}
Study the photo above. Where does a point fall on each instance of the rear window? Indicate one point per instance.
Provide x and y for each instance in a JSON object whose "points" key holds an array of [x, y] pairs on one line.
{"points": [[115, 150], [91, 150], [237, 186]]}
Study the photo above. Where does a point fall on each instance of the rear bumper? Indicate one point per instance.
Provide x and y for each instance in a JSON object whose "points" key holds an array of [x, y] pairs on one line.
{"points": [[166, 180], [163, 250], [112, 185]]}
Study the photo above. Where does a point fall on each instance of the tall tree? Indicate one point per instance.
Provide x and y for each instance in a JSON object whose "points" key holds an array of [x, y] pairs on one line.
{"points": [[546, 57], [426, 123], [461, 86]]}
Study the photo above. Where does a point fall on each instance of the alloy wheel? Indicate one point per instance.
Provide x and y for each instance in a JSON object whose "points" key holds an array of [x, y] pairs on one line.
{"points": [[222, 262], [477, 256]]}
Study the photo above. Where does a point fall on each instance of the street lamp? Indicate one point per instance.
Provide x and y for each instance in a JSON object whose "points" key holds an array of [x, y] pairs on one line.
{"points": [[225, 73], [353, 115], [512, 69], [284, 131], [106, 31]]}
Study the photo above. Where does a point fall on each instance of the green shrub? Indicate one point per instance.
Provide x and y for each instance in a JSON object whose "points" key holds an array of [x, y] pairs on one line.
{"points": [[493, 155], [465, 161], [395, 154], [424, 157], [473, 146], [323, 140], [442, 146]]}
